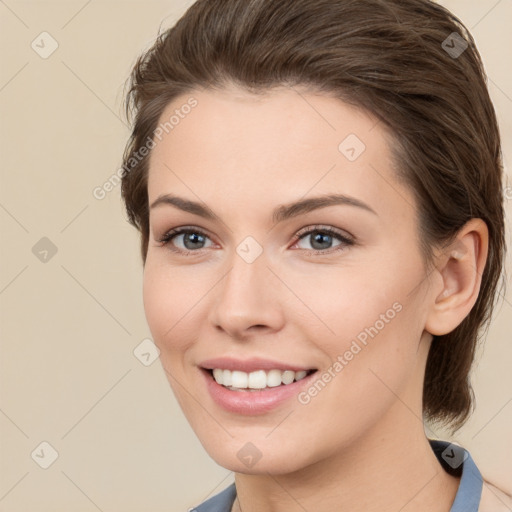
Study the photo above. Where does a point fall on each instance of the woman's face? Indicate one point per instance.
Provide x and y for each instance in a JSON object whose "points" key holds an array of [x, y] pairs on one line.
{"points": [[254, 287]]}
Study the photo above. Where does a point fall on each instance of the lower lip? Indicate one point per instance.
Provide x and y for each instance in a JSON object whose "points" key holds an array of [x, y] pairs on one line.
{"points": [[253, 402]]}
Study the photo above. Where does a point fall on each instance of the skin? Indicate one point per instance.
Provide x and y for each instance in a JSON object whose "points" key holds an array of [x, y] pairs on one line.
{"points": [[359, 444]]}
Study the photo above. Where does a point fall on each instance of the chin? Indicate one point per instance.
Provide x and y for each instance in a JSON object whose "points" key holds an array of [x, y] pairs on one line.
{"points": [[246, 458]]}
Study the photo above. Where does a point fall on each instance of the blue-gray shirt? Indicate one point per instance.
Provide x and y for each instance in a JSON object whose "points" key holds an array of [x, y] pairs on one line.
{"points": [[454, 459]]}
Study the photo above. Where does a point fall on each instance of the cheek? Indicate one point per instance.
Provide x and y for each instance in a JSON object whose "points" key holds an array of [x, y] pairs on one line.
{"points": [[157, 303], [340, 305], [169, 310], [167, 306], [368, 322]]}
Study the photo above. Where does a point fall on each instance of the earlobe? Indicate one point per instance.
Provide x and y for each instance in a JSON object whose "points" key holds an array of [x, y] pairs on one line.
{"points": [[460, 266]]}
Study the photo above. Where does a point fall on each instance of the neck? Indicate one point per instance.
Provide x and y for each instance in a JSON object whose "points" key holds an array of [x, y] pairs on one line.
{"points": [[389, 468]]}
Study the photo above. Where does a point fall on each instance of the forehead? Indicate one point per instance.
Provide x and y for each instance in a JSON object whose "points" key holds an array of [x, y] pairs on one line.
{"points": [[278, 146]]}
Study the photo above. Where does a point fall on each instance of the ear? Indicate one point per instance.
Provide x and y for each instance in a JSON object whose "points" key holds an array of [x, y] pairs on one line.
{"points": [[460, 266]]}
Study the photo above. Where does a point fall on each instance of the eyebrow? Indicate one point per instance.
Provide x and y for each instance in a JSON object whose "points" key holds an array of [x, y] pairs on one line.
{"points": [[281, 213]]}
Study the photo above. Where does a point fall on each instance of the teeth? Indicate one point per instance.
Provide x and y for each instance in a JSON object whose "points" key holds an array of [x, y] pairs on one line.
{"points": [[288, 377], [300, 375], [258, 379], [226, 377], [274, 378], [239, 379]]}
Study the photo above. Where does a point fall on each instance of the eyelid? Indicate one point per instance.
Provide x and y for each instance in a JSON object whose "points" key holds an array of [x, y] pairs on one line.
{"points": [[168, 235], [346, 238], [325, 228]]}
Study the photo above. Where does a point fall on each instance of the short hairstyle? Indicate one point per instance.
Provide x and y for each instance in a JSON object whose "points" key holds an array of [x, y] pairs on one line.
{"points": [[411, 64]]}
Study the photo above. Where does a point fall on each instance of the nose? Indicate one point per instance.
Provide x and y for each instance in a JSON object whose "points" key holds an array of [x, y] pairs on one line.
{"points": [[246, 300]]}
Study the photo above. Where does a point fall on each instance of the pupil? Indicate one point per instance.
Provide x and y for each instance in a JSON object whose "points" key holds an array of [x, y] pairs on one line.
{"points": [[192, 237], [318, 237]]}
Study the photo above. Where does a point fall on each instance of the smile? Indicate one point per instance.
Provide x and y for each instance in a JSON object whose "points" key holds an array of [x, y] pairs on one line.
{"points": [[257, 391], [237, 380]]}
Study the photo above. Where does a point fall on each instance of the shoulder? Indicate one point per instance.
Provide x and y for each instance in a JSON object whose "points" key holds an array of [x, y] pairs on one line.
{"points": [[494, 499]]}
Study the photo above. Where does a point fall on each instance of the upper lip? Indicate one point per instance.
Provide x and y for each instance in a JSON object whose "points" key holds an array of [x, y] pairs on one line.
{"points": [[250, 365]]}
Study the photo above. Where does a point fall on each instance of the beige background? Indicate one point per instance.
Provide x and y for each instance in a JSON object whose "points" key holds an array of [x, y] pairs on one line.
{"points": [[69, 376]]}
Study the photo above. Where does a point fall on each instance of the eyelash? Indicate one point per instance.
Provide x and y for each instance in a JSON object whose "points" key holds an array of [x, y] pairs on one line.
{"points": [[346, 241]]}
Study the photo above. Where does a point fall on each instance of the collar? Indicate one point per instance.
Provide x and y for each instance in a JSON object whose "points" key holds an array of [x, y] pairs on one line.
{"points": [[457, 461]]}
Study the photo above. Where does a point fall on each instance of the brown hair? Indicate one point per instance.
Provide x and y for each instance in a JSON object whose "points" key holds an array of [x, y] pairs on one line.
{"points": [[399, 61]]}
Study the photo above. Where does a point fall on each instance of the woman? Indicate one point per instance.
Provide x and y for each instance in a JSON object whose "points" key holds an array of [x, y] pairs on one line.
{"points": [[318, 188]]}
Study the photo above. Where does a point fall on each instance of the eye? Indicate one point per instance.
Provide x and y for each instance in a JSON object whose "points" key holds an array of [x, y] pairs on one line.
{"points": [[321, 239], [192, 240]]}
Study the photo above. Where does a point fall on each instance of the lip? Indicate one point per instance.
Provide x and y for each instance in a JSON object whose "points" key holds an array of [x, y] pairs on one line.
{"points": [[250, 365], [253, 403]]}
